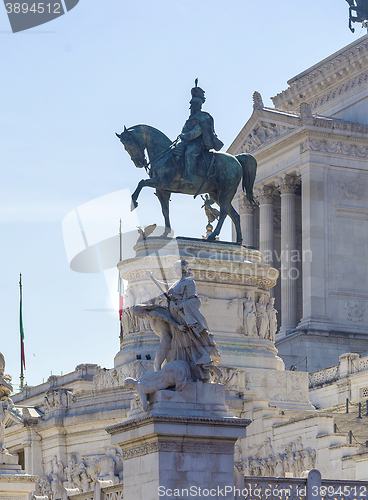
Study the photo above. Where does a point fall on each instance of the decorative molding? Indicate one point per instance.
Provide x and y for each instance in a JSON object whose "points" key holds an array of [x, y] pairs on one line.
{"points": [[341, 90], [314, 80], [352, 212], [335, 147], [355, 311], [140, 451], [150, 419], [18, 478], [179, 447]]}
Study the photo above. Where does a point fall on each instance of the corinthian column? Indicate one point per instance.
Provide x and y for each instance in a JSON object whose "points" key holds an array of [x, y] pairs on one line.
{"points": [[289, 314], [264, 196], [246, 220]]}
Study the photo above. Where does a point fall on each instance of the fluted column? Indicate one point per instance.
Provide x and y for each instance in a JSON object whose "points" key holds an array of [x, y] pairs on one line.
{"points": [[246, 220], [264, 196], [288, 272]]}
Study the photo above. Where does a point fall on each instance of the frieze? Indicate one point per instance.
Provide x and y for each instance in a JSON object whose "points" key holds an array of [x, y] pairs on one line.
{"points": [[139, 451], [263, 461], [178, 447], [335, 147], [18, 478], [79, 475]]}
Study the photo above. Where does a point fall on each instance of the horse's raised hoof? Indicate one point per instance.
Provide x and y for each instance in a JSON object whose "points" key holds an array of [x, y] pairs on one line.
{"points": [[133, 205]]}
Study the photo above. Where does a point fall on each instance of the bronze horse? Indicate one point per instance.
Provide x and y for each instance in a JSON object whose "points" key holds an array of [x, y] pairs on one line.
{"points": [[220, 179], [360, 7]]}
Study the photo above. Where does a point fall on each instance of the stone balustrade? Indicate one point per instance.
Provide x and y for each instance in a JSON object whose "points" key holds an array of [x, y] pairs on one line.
{"points": [[348, 363]]}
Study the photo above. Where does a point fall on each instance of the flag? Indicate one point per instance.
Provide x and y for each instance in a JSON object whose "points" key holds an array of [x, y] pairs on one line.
{"points": [[121, 297], [21, 329]]}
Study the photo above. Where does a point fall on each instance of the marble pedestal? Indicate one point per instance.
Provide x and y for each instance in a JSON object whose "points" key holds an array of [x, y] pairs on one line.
{"points": [[14, 483], [224, 273], [184, 445]]}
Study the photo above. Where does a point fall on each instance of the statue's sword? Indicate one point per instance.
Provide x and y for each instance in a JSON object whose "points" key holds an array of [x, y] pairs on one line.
{"points": [[160, 288]]}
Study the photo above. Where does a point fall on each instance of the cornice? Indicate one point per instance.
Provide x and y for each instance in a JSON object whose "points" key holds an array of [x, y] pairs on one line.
{"points": [[186, 420], [270, 127], [314, 127], [314, 81], [341, 92]]}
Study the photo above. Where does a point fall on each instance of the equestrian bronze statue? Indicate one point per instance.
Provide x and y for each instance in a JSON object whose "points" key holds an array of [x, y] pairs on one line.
{"points": [[360, 7], [192, 164]]}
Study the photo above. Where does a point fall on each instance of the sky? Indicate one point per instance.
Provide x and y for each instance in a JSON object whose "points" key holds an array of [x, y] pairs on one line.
{"points": [[66, 88]]}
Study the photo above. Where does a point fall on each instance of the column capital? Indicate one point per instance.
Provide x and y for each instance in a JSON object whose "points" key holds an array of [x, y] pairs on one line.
{"points": [[264, 194], [244, 206], [287, 184]]}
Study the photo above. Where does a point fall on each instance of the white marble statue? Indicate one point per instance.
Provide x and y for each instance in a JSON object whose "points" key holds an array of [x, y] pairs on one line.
{"points": [[128, 320], [272, 318], [182, 328], [262, 318], [246, 315], [173, 374], [5, 390], [250, 327], [143, 297]]}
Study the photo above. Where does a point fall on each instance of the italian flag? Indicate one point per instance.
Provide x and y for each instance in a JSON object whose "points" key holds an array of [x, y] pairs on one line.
{"points": [[121, 298]]}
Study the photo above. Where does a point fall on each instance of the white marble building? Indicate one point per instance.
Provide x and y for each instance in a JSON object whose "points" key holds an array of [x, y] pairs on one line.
{"points": [[312, 219]]}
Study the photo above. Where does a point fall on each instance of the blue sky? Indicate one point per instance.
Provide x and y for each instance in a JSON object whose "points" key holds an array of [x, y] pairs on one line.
{"points": [[68, 85]]}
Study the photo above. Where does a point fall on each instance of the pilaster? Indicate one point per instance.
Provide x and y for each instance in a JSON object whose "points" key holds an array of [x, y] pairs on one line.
{"points": [[314, 240]]}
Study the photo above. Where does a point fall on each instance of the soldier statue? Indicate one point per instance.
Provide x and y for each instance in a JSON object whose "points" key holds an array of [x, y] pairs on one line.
{"points": [[198, 135]]}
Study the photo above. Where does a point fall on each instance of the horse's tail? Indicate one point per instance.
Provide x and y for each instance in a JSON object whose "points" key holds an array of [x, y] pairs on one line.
{"points": [[249, 164]]}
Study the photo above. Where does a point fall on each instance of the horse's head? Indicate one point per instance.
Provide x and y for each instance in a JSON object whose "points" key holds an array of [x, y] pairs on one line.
{"points": [[134, 147]]}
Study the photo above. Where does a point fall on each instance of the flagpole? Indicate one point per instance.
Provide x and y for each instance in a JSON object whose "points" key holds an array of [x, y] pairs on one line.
{"points": [[120, 243], [120, 285], [21, 336]]}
